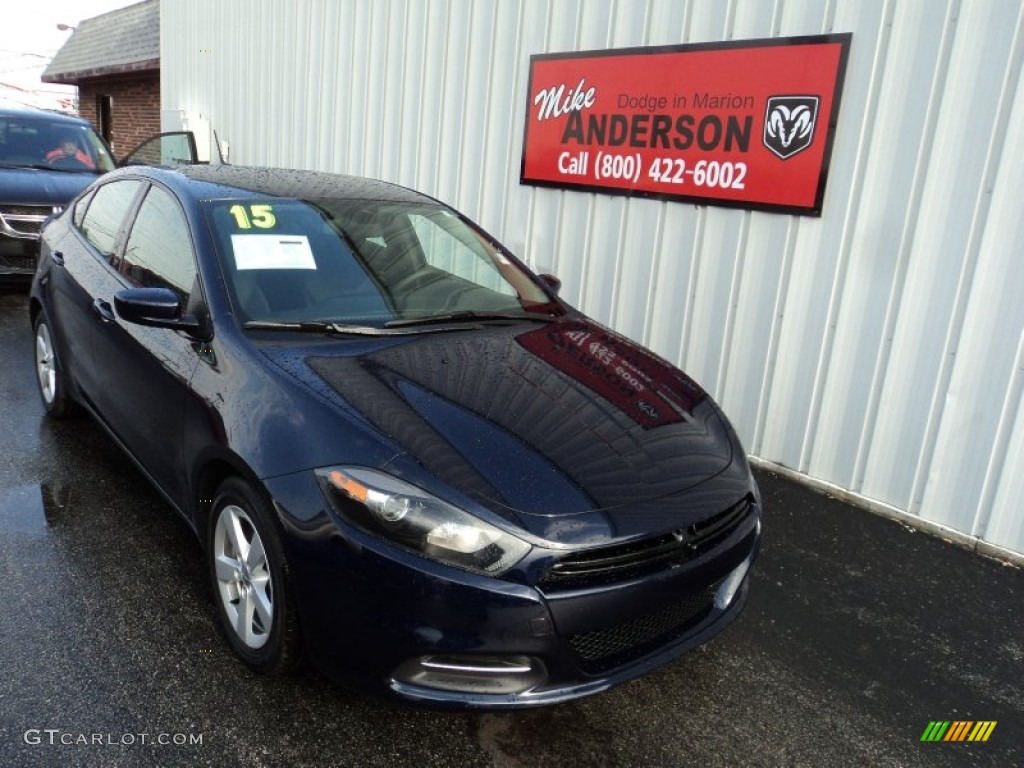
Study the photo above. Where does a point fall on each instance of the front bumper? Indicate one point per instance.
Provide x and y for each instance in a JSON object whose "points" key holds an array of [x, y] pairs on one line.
{"points": [[390, 621], [18, 256], [19, 238]]}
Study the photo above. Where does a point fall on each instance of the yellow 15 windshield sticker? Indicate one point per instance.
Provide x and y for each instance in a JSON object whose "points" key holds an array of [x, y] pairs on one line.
{"points": [[260, 216]]}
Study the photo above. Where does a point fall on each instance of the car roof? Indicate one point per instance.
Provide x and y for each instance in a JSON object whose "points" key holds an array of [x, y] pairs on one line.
{"points": [[228, 181], [31, 113]]}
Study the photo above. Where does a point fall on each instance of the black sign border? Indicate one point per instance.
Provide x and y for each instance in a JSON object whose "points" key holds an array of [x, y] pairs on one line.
{"points": [[843, 38]]}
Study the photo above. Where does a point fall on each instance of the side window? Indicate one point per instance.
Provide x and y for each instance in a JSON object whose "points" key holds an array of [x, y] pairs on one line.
{"points": [[106, 213], [159, 250], [80, 208]]}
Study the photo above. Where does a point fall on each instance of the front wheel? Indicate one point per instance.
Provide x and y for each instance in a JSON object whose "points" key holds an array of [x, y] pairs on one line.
{"points": [[251, 580], [50, 376]]}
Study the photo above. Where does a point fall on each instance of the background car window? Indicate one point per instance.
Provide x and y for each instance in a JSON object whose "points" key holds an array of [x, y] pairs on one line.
{"points": [[174, 149], [35, 142], [21, 142], [106, 214], [96, 147], [159, 249]]}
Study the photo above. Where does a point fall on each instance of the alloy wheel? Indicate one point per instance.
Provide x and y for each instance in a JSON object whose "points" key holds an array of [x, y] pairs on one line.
{"points": [[243, 577], [46, 367]]}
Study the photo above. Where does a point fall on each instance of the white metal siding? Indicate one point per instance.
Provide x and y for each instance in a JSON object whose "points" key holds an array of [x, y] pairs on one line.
{"points": [[879, 348]]}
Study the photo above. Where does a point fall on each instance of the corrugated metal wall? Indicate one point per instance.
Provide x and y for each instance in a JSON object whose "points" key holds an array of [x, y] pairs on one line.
{"points": [[879, 348]]}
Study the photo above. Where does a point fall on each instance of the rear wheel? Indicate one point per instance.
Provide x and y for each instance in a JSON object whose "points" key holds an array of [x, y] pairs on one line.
{"points": [[251, 580], [50, 374]]}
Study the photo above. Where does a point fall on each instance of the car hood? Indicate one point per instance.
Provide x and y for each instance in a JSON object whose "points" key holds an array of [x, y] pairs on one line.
{"points": [[551, 420], [30, 186]]}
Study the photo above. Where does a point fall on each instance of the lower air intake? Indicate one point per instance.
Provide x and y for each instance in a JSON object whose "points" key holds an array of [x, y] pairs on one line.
{"points": [[610, 645]]}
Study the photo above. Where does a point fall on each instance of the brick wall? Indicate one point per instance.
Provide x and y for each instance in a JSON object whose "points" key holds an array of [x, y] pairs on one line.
{"points": [[135, 108]]}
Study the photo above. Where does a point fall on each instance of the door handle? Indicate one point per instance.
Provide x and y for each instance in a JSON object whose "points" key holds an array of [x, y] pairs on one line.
{"points": [[58, 258], [103, 310]]}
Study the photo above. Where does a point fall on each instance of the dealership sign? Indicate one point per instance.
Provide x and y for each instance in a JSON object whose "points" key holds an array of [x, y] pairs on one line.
{"points": [[746, 124]]}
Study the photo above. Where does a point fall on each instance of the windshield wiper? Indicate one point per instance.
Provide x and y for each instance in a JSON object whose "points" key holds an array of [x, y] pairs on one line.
{"points": [[467, 315], [320, 326], [39, 167]]}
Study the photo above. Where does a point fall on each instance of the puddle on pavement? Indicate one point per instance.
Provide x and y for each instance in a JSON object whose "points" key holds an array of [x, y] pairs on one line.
{"points": [[32, 509]]}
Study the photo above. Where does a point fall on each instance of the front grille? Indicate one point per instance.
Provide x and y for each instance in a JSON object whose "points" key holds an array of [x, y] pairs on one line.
{"points": [[625, 561], [610, 646], [26, 219], [25, 227], [15, 263], [26, 210]]}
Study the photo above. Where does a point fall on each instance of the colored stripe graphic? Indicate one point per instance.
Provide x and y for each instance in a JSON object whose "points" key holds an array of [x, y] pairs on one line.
{"points": [[958, 730], [982, 730], [935, 731]]}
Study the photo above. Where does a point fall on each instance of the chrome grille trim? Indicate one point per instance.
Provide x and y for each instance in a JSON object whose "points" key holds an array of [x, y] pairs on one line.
{"points": [[25, 221]]}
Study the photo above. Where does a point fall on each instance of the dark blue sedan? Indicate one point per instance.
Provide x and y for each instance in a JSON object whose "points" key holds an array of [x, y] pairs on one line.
{"points": [[406, 458]]}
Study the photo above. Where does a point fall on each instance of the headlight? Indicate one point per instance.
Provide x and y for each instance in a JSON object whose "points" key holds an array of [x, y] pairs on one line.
{"points": [[418, 521]]}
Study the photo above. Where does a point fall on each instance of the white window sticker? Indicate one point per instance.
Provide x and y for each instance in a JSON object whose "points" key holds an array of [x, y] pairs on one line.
{"points": [[272, 252]]}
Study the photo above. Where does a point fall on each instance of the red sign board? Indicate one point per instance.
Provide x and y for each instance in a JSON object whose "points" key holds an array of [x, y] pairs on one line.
{"points": [[746, 124]]}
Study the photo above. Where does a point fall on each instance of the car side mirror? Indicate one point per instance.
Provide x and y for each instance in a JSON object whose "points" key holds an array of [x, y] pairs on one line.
{"points": [[156, 308], [552, 282]]}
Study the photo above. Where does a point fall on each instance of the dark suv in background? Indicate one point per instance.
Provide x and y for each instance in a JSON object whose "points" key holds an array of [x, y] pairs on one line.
{"points": [[46, 158]]}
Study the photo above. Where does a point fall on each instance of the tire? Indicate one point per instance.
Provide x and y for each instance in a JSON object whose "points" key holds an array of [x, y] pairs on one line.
{"points": [[251, 583], [50, 376]]}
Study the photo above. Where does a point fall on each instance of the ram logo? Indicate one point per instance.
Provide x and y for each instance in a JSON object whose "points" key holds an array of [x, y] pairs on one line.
{"points": [[789, 124]]}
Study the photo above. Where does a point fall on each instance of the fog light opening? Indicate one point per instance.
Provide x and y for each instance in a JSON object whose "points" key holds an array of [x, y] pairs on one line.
{"points": [[473, 674], [731, 585]]}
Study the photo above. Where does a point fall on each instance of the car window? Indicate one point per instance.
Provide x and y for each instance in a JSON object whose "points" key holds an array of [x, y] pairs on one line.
{"points": [[362, 261], [80, 208], [38, 142], [159, 249], [177, 148], [106, 213], [442, 238], [95, 148]]}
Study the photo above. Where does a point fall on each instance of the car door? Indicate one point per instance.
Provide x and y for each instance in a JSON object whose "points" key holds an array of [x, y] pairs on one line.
{"points": [[83, 257], [173, 148], [145, 372]]}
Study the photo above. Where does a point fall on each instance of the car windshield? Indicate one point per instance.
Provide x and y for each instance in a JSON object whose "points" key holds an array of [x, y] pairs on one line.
{"points": [[373, 263], [38, 142]]}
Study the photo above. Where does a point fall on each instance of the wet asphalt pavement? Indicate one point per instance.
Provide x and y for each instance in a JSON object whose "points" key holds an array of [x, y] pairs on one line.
{"points": [[858, 632]]}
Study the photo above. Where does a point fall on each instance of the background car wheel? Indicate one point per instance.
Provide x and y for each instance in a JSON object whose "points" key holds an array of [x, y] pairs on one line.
{"points": [[50, 374], [250, 580]]}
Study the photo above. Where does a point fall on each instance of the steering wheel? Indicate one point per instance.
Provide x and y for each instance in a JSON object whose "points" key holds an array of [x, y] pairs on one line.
{"points": [[67, 162]]}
